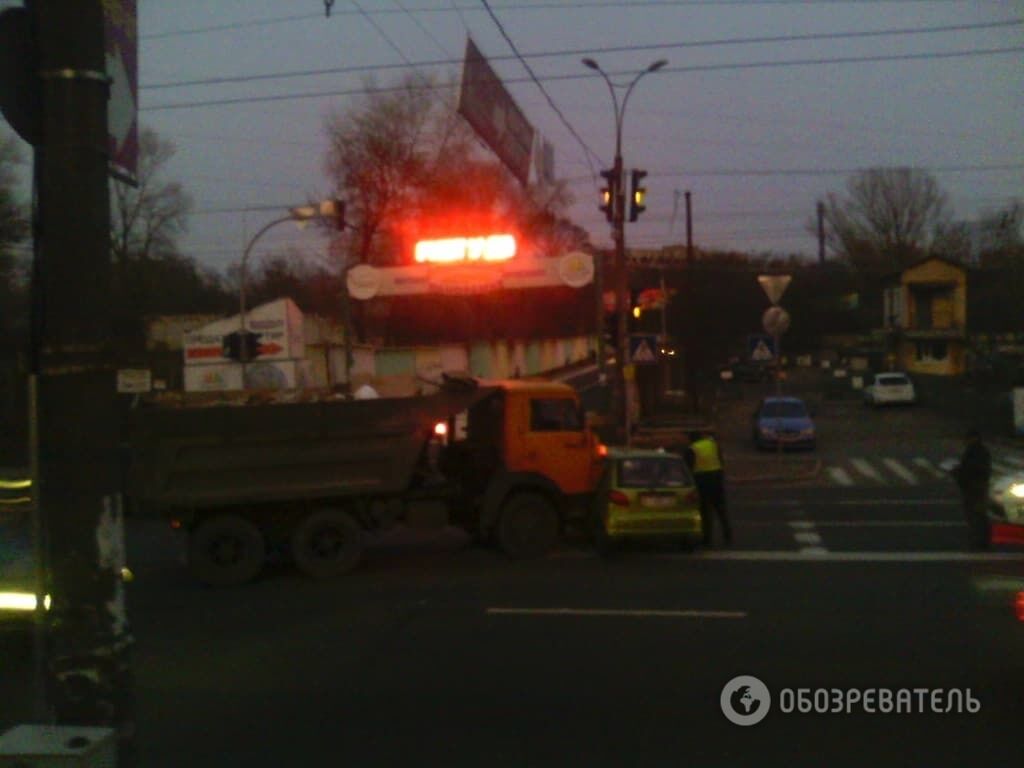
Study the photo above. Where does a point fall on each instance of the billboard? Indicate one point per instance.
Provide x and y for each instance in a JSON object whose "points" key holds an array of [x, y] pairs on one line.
{"points": [[492, 113], [120, 23]]}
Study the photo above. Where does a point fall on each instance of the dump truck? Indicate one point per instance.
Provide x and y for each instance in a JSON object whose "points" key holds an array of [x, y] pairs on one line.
{"points": [[511, 462]]}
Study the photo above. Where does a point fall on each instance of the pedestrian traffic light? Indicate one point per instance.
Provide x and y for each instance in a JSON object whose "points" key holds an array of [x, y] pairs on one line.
{"points": [[638, 196], [609, 194]]}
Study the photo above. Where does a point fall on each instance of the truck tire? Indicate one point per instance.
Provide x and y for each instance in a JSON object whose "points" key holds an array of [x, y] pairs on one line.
{"points": [[528, 527], [226, 550], [327, 543]]}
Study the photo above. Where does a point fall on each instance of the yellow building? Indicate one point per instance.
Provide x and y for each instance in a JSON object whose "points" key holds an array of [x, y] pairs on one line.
{"points": [[926, 317]]}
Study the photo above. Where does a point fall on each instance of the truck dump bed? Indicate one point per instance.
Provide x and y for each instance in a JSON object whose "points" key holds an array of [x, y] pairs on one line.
{"points": [[227, 455]]}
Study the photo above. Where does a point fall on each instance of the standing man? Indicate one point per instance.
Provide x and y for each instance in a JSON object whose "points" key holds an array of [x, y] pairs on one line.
{"points": [[973, 475], [705, 459]]}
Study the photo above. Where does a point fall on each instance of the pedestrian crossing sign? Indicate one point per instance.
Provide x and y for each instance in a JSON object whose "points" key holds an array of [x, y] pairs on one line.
{"points": [[643, 349], [761, 347]]}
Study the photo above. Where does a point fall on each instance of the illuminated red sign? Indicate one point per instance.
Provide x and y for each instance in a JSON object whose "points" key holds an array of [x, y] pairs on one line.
{"points": [[460, 249]]}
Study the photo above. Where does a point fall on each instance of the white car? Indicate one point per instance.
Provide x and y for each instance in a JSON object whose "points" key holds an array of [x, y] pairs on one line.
{"points": [[890, 389]]}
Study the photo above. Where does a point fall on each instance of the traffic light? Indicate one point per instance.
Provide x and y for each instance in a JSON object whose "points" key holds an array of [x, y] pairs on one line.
{"points": [[241, 346], [609, 194], [638, 196]]}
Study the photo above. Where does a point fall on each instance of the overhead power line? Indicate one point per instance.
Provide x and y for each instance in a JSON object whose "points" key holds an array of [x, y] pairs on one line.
{"points": [[558, 5], [587, 151], [573, 53], [703, 172], [552, 78]]}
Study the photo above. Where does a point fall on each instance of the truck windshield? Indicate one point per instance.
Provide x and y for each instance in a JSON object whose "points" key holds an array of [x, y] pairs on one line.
{"points": [[555, 415]]}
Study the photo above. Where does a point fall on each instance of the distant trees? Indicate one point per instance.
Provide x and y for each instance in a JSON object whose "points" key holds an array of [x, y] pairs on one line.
{"points": [[888, 218], [151, 275]]}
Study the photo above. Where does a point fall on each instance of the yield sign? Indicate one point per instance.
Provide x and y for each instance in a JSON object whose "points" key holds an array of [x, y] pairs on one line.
{"points": [[774, 286]]}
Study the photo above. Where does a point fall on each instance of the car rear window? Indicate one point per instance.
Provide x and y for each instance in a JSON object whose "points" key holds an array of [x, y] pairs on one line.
{"points": [[893, 380], [653, 472], [784, 410]]}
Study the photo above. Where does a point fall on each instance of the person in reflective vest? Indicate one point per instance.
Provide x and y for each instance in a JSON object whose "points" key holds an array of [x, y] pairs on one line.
{"points": [[705, 459]]}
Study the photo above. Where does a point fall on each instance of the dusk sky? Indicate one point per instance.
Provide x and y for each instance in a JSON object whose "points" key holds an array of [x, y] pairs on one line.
{"points": [[755, 137]]}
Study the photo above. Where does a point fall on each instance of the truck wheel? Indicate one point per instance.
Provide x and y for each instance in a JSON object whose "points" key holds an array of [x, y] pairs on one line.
{"points": [[528, 527], [327, 543], [225, 551]]}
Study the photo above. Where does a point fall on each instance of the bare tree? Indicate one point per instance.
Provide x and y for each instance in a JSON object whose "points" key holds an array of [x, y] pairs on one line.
{"points": [[888, 218], [407, 163], [146, 220]]}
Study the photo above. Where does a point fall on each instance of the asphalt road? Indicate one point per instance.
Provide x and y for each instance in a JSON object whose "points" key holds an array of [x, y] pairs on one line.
{"points": [[436, 653]]}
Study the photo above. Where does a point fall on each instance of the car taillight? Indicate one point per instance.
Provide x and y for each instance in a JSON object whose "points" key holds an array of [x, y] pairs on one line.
{"points": [[618, 498], [1020, 606], [602, 450]]}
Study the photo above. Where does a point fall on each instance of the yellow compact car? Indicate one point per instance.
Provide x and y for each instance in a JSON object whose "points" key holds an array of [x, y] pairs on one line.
{"points": [[647, 494]]}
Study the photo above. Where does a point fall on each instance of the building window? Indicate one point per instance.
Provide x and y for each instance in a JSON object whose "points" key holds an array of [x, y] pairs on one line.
{"points": [[932, 351]]}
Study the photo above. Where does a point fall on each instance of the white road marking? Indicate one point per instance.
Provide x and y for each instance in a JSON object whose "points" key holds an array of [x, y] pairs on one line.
{"points": [[802, 525], [619, 613], [808, 538], [927, 466], [858, 523], [840, 476], [865, 468], [813, 550], [898, 469], [855, 557]]}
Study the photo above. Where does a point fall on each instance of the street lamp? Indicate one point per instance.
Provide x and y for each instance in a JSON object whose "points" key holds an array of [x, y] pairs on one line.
{"points": [[618, 234], [328, 209]]}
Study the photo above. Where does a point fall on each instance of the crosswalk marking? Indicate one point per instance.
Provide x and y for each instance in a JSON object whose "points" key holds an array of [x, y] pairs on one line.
{"points": [[904, 470], [865, 468], [930, 468], [900, 470], [840, 476]]}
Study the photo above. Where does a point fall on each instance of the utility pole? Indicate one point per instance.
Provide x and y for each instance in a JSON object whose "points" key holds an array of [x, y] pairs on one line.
{"points": [[821, 232], [691, 294], [78, 479]]}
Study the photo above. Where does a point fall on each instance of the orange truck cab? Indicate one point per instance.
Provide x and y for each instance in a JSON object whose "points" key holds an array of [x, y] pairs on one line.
{"points": [[534, 460]]}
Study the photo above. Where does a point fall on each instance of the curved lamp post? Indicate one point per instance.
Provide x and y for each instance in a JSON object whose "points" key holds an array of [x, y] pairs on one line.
{"points": [[618, 234], [300, 215]]}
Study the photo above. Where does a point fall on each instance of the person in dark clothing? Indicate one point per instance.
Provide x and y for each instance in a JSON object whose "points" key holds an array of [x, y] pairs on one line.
{"points": [[972, 476], [705, 459]]}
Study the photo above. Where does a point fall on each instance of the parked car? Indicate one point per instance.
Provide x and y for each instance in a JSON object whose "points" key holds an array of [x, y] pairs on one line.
{"points": [[650, 494], [783, 422], [890, 389]]}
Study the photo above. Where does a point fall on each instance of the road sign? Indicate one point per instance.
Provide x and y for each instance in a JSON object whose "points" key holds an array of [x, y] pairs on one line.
{"points": [[775, 321], [122, 61], [761, 348], [643, 349], [774, 286]]}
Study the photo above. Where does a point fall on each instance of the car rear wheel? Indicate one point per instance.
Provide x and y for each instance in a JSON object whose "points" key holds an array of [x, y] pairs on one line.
{"points": [[226, 551], [327, 543], [529, 526]]}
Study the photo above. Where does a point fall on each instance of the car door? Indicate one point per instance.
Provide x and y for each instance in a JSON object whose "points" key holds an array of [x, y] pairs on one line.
{"points": [[555, 442]]}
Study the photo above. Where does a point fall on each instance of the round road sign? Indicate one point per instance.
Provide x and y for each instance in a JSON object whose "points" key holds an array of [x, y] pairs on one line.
{"points": [[775, 321]]}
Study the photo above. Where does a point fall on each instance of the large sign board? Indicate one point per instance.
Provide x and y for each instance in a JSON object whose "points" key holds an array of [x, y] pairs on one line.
{"points": [[575, 269], [492, 113], [121, 40]]}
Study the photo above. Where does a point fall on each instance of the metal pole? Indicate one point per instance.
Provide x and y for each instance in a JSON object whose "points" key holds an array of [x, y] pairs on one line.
{"points": [[691, 293], [78, 478], [821, 232], [243, 346]]}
